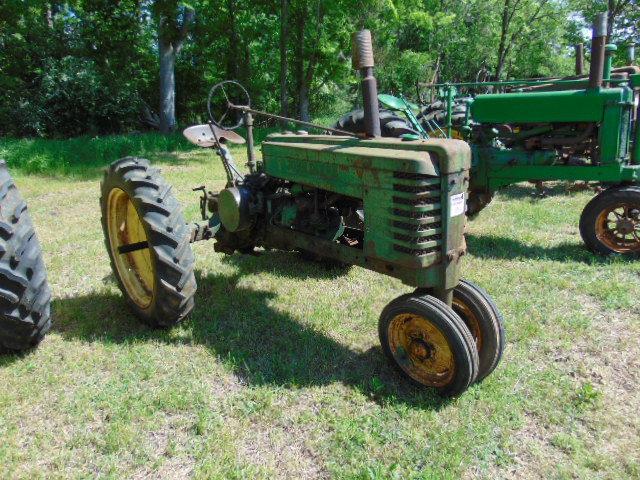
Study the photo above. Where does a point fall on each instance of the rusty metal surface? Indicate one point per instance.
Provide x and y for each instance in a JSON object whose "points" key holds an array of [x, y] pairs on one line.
{"points": [[412, 195]]}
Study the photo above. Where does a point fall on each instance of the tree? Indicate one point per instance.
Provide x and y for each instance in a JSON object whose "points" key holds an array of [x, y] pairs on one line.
{"points": [[91, 66], [617, 12], [284, 57], [511, 30], [174, 21]]}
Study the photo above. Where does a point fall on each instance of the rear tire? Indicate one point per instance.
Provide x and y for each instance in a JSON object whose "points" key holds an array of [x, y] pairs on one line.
{"points": [[391, 125], [24, 292], [610, 222], [137, 207], [429, 343], [437, 112]]}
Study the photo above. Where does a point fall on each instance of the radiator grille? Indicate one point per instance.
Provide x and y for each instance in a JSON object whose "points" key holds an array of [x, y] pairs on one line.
{"points": [[418, 227], [416, 201], [417, 252]]}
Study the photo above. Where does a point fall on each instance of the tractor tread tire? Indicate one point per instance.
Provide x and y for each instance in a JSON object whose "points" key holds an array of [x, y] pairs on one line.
{"points": [[595, 206], [167, 232], [391, 125], [25, 297], [450, 324]]}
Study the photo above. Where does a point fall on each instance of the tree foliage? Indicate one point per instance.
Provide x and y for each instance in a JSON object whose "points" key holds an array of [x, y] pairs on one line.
{"points": [[93, 66]]}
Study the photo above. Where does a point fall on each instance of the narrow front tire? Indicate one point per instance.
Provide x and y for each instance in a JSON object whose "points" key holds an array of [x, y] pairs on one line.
{"points": [[429, 343], [483, 319]]}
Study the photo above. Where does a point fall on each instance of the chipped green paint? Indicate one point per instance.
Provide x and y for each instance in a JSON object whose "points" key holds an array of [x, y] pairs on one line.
{"points": [[407, 187]]}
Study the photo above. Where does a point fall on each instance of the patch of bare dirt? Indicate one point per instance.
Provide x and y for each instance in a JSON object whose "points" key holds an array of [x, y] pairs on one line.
{"points": [[282, 446], [607, 359]]}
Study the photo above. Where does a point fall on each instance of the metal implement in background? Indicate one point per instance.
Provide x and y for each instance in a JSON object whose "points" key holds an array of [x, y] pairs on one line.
{"points": [[579, 128], [391, 206]]}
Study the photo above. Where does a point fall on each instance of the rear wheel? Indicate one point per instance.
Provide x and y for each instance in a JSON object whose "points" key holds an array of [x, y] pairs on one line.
{"points": [[483, 319], [610, 223], [148, 242], [391, 125], [24, 292], [428, 342], [436, 112]]}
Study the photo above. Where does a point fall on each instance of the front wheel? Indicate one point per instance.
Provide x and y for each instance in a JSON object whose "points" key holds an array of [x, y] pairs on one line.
{"points": [[610, 223], [148, 242], [428, 342], [483, 319]]}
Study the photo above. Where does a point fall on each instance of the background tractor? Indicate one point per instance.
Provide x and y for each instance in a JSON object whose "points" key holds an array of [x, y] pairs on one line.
{"points": [[24, 292], [392, 206], [581, 128]]}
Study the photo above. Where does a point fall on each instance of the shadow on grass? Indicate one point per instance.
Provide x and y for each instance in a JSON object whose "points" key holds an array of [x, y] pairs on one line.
{"points": [[240, 326], [492, 246], [551, 189]]}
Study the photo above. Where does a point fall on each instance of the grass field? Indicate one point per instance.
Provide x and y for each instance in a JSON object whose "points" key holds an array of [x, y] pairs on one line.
{"points": [[278, 371]]}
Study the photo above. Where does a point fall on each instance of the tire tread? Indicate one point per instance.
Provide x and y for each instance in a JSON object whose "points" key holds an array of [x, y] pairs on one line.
{"points": [[167, 232], [25, 312]]}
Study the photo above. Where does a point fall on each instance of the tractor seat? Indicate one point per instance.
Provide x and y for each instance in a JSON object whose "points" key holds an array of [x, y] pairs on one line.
{"points": [[202, 136]]}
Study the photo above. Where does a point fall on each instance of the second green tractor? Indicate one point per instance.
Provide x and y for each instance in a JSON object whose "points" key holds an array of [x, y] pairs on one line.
{"points": [[583, 128]]}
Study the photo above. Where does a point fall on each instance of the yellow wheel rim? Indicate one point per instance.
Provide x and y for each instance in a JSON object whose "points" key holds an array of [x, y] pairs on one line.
{"points": [[618, 228], [456, 134], [470, 319], [421, 350], [135, 269]]}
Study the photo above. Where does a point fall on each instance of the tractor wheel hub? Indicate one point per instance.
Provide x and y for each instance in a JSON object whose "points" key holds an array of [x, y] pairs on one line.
{"points": [[625, 226], [420, 349]]}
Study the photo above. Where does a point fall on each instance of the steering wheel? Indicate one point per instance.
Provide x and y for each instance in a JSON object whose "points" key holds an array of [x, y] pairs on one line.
{"points": [[227, 96]]}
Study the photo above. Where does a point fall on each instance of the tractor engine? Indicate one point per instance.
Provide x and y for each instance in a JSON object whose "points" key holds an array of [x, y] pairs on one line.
{"points": [[319, 213], [565, 143]]}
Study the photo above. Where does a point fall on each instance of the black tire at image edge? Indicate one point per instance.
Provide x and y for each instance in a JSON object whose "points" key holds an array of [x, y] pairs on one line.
{"points": [[25, 297]]}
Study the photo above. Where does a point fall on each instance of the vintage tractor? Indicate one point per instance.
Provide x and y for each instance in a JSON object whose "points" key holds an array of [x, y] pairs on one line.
{"points": [[395, 207], [24, 292], [576, 129]]}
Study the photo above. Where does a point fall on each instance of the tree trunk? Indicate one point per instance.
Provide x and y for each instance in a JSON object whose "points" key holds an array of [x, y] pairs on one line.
{"points": [[49, 15], [611, 18], [615, 9], [303, 99], [304, 76], [167, 87], [233, 68], [504, 31], [299, 62], [284, 61], [171, 37]]}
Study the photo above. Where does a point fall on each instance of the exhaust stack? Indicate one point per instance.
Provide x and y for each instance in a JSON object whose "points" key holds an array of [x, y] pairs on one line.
{"points": [[598, 41], [631, 53], [363, 61]]}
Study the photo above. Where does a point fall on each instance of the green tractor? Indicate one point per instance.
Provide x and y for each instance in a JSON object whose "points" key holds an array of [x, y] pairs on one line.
{"points": [[389, 205], [574, 129]]}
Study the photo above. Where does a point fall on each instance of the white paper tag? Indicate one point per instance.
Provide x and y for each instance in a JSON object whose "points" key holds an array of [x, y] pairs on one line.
{"points": [[457, 205]]}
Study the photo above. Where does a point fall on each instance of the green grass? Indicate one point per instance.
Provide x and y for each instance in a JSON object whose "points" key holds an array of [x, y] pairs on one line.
{"points": [[85, 157], [278, 371]]}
